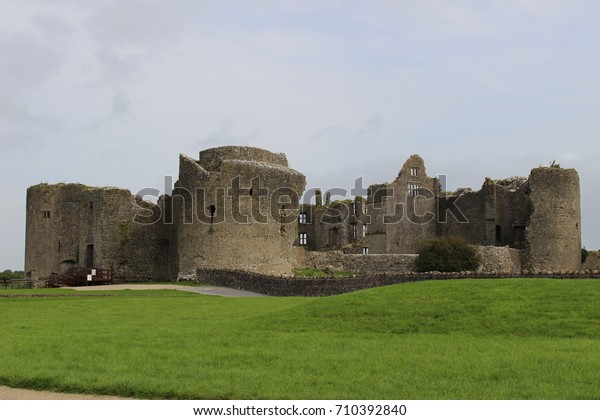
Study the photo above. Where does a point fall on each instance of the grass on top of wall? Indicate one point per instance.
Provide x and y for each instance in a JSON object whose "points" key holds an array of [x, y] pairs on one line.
{"points": [[459, 339]]}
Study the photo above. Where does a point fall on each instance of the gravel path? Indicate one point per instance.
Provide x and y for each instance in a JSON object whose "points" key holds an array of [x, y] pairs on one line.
{"points": [[204, 290], [7, 393]]}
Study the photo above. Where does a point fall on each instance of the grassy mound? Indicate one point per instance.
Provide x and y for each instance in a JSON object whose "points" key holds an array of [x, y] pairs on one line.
{"points": [[525, 339]]}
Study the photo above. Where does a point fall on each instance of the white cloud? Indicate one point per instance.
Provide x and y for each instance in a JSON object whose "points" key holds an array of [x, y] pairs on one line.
{"points": [[345, 89]]}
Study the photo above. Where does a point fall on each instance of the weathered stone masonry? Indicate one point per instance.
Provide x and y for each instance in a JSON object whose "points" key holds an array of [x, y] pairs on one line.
{"points": [[238, 208], [239, 196], [234, 207], [75, 225]]}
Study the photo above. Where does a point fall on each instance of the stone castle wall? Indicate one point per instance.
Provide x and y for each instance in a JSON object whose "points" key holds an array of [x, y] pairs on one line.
{"points": [[497, 214], [513, 211], [334, 226], [237, 208], [461, 216], [76, 225]]}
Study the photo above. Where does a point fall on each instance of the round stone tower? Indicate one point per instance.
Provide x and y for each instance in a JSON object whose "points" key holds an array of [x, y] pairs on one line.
{"points": [[236, 208], [553, 234]]}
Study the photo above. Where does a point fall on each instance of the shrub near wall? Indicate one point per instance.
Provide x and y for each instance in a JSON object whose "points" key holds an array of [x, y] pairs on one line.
{"points": [[448, 255]]}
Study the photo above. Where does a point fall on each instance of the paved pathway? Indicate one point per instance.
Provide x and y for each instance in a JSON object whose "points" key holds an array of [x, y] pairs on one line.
{"points": [[204, 290]]}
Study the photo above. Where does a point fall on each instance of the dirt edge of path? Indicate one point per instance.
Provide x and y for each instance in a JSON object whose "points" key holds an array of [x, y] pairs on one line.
{"points": [[7, 393]]}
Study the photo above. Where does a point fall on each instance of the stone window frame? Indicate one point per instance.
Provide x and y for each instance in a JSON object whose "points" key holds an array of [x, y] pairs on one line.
{"points": [[302, 239], [414, 171], [303, 218], [365, 230], [365, 250], [45, 214], [413, 189]]}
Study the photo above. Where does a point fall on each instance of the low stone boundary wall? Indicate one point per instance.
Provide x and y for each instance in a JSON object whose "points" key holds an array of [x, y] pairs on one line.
{"points": [[359, 263], [503, 259], [493, 260], [593, 261], [290, 286]]}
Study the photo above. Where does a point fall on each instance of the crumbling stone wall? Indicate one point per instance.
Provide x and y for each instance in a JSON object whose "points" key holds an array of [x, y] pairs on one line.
{"points": [[504, 260], [513, 210], [495, 215], [237, 208], [358, 263], [135, 244], [461, 215], [212, 159], [592, 261], [332, 226]]}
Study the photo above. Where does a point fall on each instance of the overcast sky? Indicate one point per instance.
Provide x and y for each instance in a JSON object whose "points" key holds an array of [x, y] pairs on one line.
{"points": [[110, 92]]}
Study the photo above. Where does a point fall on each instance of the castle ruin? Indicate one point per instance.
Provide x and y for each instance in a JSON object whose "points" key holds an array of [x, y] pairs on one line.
{"points": [[239, 208]]}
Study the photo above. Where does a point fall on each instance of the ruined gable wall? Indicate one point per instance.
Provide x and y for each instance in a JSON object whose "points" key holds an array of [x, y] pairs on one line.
{"points": [[407, 231], [553, 234]]}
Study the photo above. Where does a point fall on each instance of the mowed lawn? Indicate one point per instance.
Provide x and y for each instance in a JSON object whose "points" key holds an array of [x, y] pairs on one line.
{"points": [[459, 339]]}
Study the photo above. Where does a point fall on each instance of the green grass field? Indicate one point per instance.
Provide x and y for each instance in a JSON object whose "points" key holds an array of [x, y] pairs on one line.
{"points": [[462, 339]]}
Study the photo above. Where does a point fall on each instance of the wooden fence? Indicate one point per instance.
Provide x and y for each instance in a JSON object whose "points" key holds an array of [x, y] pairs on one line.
{"points": [[15, 284]]}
